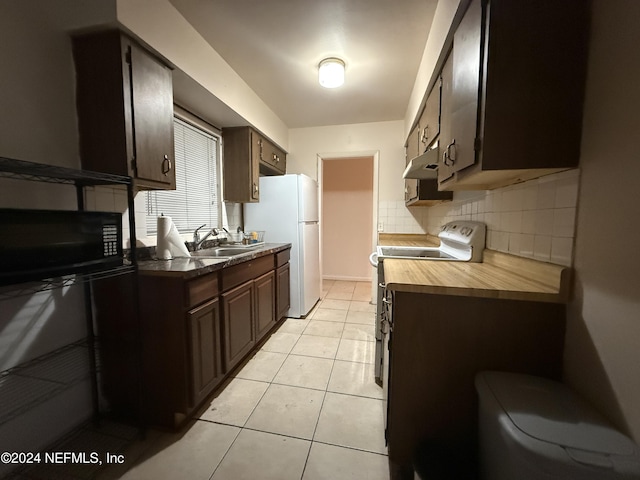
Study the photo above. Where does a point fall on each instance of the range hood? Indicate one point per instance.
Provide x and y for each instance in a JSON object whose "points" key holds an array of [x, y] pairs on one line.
{"points": [[423, 166]]}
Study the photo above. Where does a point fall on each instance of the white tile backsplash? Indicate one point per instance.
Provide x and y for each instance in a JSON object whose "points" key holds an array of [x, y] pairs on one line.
{"points": [[542, 248], [534, 219]]}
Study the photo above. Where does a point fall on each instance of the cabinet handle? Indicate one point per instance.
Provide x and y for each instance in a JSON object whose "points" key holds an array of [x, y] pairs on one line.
{"points": [[260, 144], [166, 165], [255, 188], [449, 155], [425, 134]]}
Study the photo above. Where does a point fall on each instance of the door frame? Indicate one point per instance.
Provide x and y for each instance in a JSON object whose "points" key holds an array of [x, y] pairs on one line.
{"points": [[375, 156]]}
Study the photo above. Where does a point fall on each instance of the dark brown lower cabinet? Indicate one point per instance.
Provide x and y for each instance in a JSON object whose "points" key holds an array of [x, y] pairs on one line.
{"points": [[206, 370], [265, 291], [239, 335], [283, 293], [192, 333], [181, 345], [437, 344]]}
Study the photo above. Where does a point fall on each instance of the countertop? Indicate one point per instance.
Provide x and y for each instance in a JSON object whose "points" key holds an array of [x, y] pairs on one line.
{"points": [[188, 267], [500, 275]]}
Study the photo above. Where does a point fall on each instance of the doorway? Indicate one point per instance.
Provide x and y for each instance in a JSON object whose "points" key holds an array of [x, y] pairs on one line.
{"points": [[348, 215]]}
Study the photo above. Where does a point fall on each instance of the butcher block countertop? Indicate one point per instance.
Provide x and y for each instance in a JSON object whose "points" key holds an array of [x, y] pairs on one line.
{"points": [[500, 275]]}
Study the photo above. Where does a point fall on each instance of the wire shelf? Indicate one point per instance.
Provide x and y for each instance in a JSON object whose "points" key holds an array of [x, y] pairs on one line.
{"points": [[36, 381], [39, 172], [31, 384], [31, 288]]}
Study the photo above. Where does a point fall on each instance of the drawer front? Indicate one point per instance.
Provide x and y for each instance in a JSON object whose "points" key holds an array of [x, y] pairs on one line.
{"points": [[283, 257], [238, 274], [202, 289]]}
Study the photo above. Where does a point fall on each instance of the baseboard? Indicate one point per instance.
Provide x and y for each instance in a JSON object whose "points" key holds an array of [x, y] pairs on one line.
{"points": [[347, 279]]}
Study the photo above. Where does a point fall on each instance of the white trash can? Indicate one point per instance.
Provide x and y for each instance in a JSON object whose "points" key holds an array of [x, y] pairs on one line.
{"points": [[532, 428]]}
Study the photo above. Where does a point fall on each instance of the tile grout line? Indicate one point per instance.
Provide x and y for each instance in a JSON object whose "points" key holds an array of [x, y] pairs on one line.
{"points": [[226, 452], [315, 428]]}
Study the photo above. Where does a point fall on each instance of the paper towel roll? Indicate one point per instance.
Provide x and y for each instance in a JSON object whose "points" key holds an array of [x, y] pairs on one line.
{"points": [[170, 243]]}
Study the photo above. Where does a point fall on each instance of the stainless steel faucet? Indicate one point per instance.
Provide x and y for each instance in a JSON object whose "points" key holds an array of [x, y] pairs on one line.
{"points": [[197, 241]]}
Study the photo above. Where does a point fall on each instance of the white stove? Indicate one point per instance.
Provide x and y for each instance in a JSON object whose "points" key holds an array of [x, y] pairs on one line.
{"points": [[460, 241]]}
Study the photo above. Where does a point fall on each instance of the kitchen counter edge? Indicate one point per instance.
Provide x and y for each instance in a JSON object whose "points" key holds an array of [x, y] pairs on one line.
{"points": [[191, 267]]}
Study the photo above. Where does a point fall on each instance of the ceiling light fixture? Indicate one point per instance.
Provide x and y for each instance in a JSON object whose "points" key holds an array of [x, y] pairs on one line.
{"points": [[331, 72]]}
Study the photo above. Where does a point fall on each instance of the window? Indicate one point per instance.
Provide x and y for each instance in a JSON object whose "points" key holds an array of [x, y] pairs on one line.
{"points": [[196, 200]]}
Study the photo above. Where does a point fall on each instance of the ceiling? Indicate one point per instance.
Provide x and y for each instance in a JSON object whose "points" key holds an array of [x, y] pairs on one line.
{"points": [[276, 46]]}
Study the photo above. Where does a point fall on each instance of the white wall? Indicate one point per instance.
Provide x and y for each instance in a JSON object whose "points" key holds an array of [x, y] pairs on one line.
{"points": [[442, 19], [602, 356], [362, 139]]}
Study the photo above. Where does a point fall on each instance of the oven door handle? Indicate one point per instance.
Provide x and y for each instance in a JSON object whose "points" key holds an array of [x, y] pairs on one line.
{"points": [[385, 327], [373, 259]]}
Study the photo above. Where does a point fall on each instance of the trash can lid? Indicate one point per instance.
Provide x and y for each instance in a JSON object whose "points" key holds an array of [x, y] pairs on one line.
{"points": [[549, 411]]}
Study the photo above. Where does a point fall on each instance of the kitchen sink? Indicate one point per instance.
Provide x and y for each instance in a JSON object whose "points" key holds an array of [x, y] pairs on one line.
{"points": [[222, 252]]}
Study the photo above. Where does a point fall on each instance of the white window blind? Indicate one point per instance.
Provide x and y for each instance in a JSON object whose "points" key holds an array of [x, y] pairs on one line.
{"points": [[195, 200]]}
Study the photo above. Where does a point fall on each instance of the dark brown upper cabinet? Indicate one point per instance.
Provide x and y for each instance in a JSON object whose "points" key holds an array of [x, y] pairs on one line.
{"points": [[247, 155], [124, 99], [515, 95]]}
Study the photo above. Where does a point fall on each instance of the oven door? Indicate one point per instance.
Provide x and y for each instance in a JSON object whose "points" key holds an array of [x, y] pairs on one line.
{"points": [[380, 317], [387, 351]]}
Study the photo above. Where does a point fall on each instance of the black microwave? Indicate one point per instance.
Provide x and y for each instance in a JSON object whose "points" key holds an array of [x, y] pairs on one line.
{"points": [[41, 244]]}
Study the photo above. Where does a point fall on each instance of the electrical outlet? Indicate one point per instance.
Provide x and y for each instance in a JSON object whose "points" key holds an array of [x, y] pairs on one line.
{"points": [[380, 227]]}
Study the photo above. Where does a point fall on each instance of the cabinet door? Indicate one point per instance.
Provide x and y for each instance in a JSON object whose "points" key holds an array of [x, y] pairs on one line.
{"points": [[124, 99], [257, 153], [430, 119], [275, 159], [240, 164], [413, 142], [272, 159], [238, 311], [460, 151], [265, 289], [410, 189], [445, 169], [279, 159], [283, 292], [152, 99], [206, 371]]}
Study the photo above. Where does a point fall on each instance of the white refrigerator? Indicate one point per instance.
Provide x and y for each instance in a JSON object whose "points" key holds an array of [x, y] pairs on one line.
{"points": [[288, 213]]}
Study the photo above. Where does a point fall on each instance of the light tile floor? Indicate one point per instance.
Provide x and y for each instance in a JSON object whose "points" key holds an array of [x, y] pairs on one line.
{"points": [[305, 406]]}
